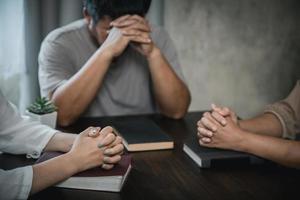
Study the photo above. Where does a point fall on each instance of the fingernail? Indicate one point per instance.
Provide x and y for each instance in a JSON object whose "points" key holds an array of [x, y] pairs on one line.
{"points": [[224, 122], [214, 128], [100, 145], [105, 159], [107, 151]]}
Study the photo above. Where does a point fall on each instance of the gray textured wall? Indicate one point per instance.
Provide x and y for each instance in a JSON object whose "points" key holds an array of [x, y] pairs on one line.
{"points": [[239, 53]]}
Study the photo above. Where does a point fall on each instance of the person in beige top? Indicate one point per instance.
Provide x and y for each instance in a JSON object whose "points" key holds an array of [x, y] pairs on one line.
{"points": [[270, 135]]}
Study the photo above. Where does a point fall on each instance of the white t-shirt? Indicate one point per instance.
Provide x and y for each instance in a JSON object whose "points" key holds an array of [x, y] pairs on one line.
{"points": [[19, 135]]}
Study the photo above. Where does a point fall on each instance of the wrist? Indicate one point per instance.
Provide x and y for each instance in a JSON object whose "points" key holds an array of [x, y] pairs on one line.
{"points": [[61, 142], [105, 54], [154, 53], [68, 141], [241, 124], [74, 163], [242, 145]]}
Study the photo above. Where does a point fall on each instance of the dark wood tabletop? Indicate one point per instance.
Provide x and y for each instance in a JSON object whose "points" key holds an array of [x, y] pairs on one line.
{"points": [[171, 174]]}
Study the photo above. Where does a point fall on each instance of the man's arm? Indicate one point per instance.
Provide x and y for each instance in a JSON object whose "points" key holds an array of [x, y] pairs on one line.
{"points": [[171, 94], [73, 97]]}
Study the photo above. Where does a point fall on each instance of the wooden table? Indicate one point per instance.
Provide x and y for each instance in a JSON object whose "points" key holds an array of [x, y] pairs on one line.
{"points": [[171, 174]]}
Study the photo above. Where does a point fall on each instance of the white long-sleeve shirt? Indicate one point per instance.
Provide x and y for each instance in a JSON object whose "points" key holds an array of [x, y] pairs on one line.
{"points": [[19, 135]]}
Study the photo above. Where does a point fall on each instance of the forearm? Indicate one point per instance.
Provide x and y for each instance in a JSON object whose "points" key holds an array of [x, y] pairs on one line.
{"points": [[61, 142], [73, 97], [285, 152], [170, 92], [52, 171], [266, 124]]}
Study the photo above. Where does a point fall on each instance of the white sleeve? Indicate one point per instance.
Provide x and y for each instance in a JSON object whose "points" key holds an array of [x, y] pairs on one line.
{"points": [[16, 183], [19, 135]]}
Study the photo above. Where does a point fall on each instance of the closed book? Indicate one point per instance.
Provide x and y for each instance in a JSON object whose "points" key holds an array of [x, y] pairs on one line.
{"points": [[142, 135], [96, 178], [204, 155]]}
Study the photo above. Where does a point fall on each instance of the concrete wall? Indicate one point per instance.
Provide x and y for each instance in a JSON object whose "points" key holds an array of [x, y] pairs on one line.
{"points": [[239, 53]]}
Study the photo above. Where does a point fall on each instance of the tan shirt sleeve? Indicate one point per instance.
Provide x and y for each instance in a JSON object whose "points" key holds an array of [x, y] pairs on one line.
{"points": [[288, 112]]}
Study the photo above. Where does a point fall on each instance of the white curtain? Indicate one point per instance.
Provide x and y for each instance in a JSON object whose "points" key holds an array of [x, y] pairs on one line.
{"points": [[11, 48], [24, 24]]}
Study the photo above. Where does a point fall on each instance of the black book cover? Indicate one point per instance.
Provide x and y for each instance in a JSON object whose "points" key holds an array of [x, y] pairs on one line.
{"points": [[204, 155], [143, 131]]}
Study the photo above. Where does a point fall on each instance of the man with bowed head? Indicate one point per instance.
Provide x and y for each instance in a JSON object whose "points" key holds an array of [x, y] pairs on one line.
{"points": [[112, 62]]}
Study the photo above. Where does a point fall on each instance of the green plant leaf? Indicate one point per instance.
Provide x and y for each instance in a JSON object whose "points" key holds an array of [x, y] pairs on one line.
{"points": [[42, 106]]}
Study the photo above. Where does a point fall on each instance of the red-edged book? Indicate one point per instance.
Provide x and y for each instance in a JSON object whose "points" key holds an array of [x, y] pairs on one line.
{"points": [[96, 178]]}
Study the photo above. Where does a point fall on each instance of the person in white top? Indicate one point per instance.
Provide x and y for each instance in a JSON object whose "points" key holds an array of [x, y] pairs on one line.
{"points": [[93, 147]]}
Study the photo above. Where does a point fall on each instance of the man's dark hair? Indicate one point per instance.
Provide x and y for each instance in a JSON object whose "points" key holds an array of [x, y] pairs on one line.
{"points": [[97, 9]]}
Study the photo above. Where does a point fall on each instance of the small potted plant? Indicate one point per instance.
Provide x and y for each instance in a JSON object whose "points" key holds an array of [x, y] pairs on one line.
{"points": [[44, 111]]}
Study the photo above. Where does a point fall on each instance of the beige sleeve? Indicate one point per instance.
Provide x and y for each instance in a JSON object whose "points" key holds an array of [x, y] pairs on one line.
{"points": [[288, 112]]}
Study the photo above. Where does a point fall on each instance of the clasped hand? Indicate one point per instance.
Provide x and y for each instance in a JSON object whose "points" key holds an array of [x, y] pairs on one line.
{"points": [[95, 147], [129, 29], [219, 129]]}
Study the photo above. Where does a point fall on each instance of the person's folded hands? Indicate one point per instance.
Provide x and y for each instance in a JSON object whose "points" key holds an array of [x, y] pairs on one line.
{"points": [[206, 128], [96, 147], [138, 30], [220, 113], [217, 135], [207, 125], [112, 147]]}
